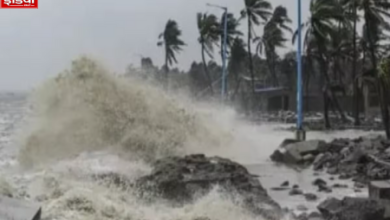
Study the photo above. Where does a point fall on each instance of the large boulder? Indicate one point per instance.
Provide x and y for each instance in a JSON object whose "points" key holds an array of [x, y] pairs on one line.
{"points": [[352, 209], [183, 179], [293, 152]]}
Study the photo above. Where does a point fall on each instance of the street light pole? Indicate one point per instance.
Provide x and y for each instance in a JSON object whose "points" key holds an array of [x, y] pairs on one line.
{"points": [[300, 133], [224, 49]]}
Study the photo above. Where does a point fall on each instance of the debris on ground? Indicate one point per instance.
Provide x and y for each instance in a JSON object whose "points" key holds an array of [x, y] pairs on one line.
{"points": [[362, 159]]}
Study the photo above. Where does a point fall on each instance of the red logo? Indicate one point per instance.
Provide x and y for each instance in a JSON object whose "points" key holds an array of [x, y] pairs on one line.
{"points": [[18, 3]]}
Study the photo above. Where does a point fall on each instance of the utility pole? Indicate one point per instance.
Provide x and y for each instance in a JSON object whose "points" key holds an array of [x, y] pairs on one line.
{"points": [[300, 133]]}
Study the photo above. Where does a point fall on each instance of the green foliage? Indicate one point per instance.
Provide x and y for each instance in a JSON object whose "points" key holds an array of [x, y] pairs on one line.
{"points": [[170, 38], [232, 29], [209, 32], [257, 11]]}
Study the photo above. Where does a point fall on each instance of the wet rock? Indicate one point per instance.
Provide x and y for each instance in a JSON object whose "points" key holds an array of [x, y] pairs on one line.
{"points": [[302, 208], [310, 196], [321, 160], [359, 185], [340, 186], [297, 152], [329, 207], [313, 215], [324, 188], [279, 188], [332, 170], [183, 179], [295, 186], [302, 216], [352, 209], [344, 176], [319, 181], [308, 158], [285, 184], [294, 192], [360, 159]]}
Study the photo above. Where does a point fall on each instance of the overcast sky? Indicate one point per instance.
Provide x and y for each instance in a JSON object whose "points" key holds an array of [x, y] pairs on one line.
{"points": [[36, 44]]}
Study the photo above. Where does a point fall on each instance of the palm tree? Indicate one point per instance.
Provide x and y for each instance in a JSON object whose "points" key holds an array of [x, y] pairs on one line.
{"points": [[232, 30], [237, 63], [170, 38], [375, 13], [256, 12], [273, 37], [384, 90], [352, 6], [320, 26], [209, 33]]}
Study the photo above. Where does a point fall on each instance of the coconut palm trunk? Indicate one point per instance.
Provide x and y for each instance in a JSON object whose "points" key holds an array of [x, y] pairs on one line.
{"points": [[206, 71], [166, 69], [356, 103], [251, 58], [381, 87], [329, 95]]}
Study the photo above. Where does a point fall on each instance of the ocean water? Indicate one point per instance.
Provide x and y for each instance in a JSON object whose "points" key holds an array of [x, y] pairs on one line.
{"points": [[87, 121]]}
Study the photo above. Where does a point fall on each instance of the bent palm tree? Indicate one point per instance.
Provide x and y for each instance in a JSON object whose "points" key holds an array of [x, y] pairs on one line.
{"points": [[255, 11], [384, 82], [170, 38], [232, 29], [209, 33], [236, 64], [320, 26], [273, 37], [375, 13]]}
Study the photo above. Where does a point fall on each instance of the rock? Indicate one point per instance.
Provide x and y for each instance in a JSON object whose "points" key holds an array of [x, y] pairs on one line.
{"points": [[295, 192], [285, 184], [183, 179], [329, 207], [324, 188], [302, 208], [331, 178], [359, 185], [319, 181], [302, 216], [321, 160], [278, 155], [308, 158], [310, 196], [287, 142], [344, 176], [332, 170], [340, 186], [352, 209], [295, 186], [315, 215], [296, 152], [279, 188]]}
